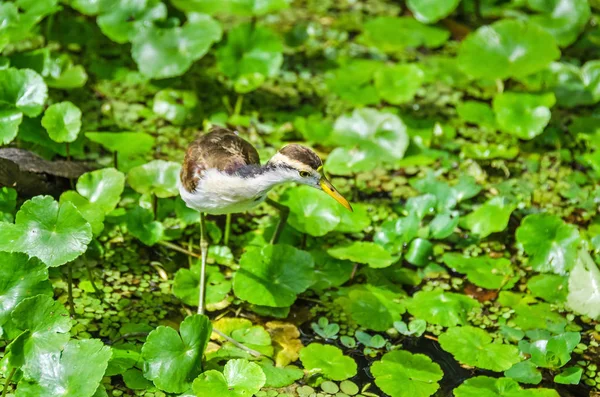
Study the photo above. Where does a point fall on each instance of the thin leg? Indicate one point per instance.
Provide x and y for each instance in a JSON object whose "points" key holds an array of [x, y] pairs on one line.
{"points": [[283, 215], [227, 229], [70, 289], [204, 248]]}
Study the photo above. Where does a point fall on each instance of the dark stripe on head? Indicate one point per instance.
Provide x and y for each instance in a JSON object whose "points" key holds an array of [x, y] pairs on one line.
{"points": [[302, 154]]}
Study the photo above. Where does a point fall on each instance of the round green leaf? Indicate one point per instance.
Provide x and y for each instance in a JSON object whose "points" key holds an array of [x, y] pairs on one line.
{"points": [[76, 372], [485, 386], [48, 323], [474, 347], [86, 7], [172, 360], [365, 252], [329, 272], [168, 52], [403, 374], [280, 376], [55, 233], [394, 234], [584, 294], [569, 376], [564, 20], [311, 211], [91, 213], [10, 120], [22, 277], [398, 84], [158, 177], [23, 90], [175, 105], [394, 34], [550, 287], [62, 121], [524, 372], [250, 49], [328, 360], [186, 288], [122, 20], [482, 271], [474, 112], [348, 161], [141, 224], [239, 378], [491, 217], [447, 309], [550, 242], [356, 221], [523, 115], [507, 48], [125, 143], [431, 11], [372, 307], [102, 188], [274, 275], [353, 82]]}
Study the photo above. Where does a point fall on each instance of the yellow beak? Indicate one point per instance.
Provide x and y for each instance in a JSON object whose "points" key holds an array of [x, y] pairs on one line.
{"points": [[330, 190]]}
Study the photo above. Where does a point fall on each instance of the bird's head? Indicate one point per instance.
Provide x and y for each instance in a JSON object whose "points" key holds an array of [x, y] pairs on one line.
{"points": [[306, 167]]}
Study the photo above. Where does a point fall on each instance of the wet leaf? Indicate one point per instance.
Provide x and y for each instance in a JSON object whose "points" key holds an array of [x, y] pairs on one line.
{"points": [[491, 217], [239, 378], [403, 374], [22, 90], [507, 48], [550, 287], [274, 275], [523, 115], [89, 356], [550, 242], [327, 360], [524, 372], [584, 287], [103, 188], [569, 376], [280, 377], [62, 121], [157, 177], [172, 360], [474, 347], [54, 233], [564, 20], [91, 213], [121, 21], [431, 11], [23, 278], [447, 309]]}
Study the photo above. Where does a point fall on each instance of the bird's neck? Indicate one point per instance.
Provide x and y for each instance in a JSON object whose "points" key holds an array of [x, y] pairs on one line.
{"points": [[261, 179]]}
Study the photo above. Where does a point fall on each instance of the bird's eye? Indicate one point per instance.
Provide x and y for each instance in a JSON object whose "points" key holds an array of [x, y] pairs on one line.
{"points": [[304, 174]]}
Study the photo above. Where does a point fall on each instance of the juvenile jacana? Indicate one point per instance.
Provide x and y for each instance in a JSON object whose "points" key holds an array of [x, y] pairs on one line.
{"points": [[222, 174]]}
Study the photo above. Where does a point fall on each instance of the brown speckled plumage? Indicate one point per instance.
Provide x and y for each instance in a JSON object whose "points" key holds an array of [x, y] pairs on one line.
{"points": [[220, 148], [302, 154]]}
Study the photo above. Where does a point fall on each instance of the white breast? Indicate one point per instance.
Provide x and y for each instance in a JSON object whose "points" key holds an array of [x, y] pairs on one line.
{"points": [[221, 193]]}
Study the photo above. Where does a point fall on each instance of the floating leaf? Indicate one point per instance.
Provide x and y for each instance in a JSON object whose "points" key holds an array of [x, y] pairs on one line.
{"points": [[175, 105], [250, 50], [498, 387], [447, 196], [328, 360], [398, 84], [311, 211], [491, 217], [550, 287], [584, 287], [102, 188], [394, 34], [48, 323], [168, 52], [524, 372], [395, 234], [22, 277], [280, 377], [484, 272], [239, 378], [365, 252], [550, 242], [172, 360], [447, 309], [353, 82], [474, 347], [232, 7], [329, 271], [403, 374], [569, 376], [372, 307], [523, 115], [89, 356], [507, 48], [431, 11], [564, 20], [62, 121], [121, 21], [274, 275], [141, 224], [552, 351], [55, 233], [356, 221], [474, 112], [158, 177]]}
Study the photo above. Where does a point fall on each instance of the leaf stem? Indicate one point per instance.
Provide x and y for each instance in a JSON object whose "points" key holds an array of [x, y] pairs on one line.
{"points": [[237, 344], [8, 380], [179, 249], [92, 278], [70, 289], [227, 229], [237, 110], [154, 205]]}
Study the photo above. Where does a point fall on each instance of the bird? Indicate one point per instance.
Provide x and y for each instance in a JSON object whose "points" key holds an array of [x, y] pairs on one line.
{"points": [[222, 174]]}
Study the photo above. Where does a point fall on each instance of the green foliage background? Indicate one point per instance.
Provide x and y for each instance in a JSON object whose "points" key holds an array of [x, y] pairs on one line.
{"points": [[466, 133]]}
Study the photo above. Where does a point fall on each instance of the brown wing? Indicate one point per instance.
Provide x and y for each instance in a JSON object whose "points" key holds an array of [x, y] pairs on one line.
{"points": [[222, 149]]}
